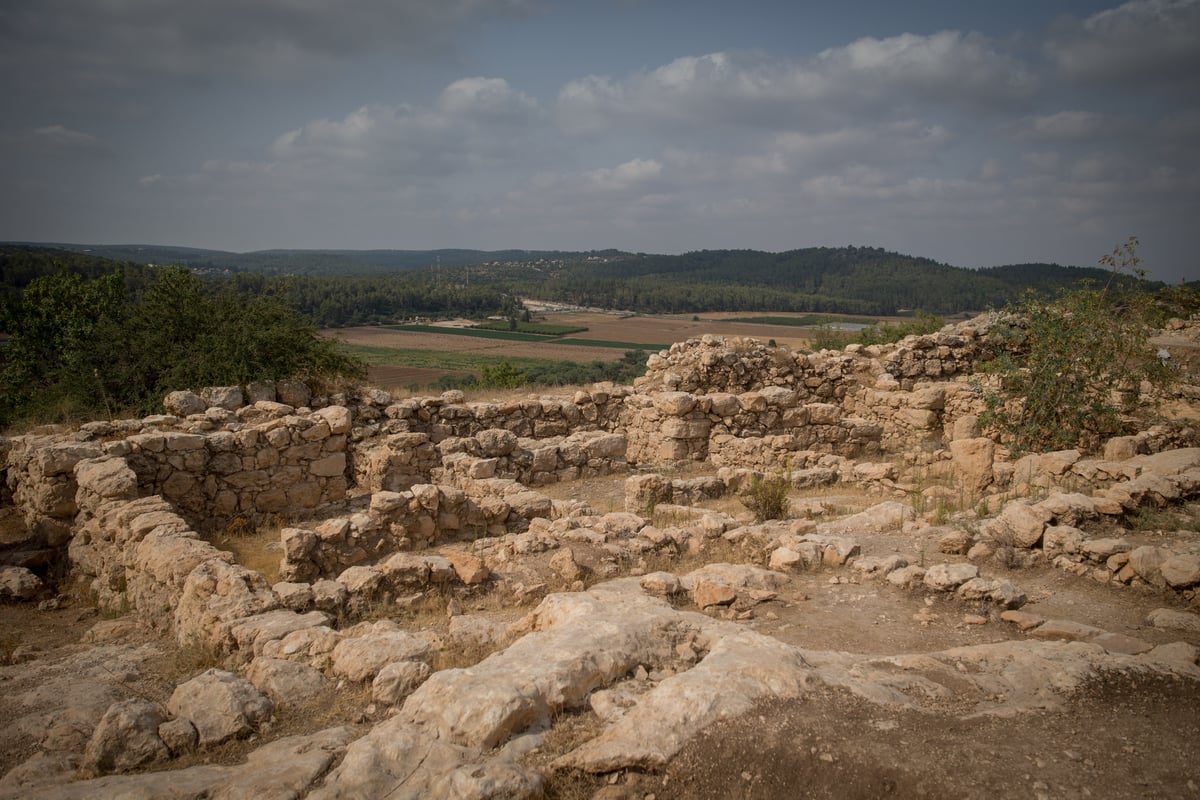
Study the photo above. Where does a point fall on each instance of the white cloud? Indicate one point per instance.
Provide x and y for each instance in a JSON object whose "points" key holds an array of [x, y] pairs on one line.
{"points": [[625, 176], [461, 133], [753, 90]]}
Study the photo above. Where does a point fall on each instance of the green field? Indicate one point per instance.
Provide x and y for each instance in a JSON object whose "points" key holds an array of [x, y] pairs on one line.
{"points": [[516, 336], [439, 359], [539, 328], [616, 345], [805, 321]]}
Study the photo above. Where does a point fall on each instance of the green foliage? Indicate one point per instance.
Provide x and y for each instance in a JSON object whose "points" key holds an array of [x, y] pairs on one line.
{"points": [[84, 347], [526, 326], [501, 376], [504, 374], [828, 338], [766, 495], [1069, 368]]}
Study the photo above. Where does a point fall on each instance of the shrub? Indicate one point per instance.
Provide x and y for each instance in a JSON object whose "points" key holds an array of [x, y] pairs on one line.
{"points": [[1069, 368], [766, 495]]}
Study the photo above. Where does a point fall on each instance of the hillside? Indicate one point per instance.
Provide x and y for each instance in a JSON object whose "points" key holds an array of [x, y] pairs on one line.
{"points": [[393, 283]]}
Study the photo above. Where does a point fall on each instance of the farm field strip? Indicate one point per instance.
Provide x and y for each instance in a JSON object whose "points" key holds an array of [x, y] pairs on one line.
{"points": [[444, 360], [516, 336]]}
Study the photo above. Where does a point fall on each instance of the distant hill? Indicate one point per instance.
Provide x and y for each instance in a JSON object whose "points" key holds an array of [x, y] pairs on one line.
{"points": [[378, 285], [303, 262]]}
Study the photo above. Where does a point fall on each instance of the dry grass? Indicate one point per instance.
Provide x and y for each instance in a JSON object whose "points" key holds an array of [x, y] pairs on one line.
{"points": [[255, 547]]}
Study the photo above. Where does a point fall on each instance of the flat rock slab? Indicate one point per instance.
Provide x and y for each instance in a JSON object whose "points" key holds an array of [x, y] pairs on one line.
{"points": [[284, 768], [1066, 630]]}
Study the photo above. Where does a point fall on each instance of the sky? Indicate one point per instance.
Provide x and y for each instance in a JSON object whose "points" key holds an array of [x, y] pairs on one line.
{"points": [[974, 133]]}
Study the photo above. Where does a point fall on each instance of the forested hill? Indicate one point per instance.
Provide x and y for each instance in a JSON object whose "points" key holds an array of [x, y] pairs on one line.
{"points": [[861, 280], [307, 262], [344, 287]]}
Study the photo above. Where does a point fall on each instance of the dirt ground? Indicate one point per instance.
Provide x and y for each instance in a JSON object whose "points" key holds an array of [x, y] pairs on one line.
{"points": [[1121, 737]]}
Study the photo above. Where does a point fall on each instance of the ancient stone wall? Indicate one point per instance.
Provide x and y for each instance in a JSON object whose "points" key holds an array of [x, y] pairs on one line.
{"points": [[286, 463]]}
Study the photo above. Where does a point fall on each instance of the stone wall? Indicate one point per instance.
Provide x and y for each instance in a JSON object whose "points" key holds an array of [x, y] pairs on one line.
{"points": [[419, 517], [286, 463], [499, 453]]}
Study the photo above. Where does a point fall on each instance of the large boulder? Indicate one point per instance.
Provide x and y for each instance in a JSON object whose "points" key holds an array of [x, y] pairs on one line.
{"points": [[221, 705], [126, 738], [18, 583], [184, 404]]}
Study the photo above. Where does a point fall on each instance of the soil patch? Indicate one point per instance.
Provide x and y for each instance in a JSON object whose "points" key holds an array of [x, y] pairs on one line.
{"points": [[1124, 736]]}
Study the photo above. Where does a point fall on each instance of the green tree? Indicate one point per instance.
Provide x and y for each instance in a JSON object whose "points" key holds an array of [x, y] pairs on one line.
{"points": [[85, 347], [1069, 368]]}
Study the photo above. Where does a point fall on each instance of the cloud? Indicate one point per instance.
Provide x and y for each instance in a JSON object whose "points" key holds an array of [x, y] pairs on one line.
{"points": [[625, 176], [477, 122], [1149, 44], [1063, 126], [752, 89], [51, 142], [476, 125], [116, 43]]}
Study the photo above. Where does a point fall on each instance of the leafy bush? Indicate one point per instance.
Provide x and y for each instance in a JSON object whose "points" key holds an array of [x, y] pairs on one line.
{"points": [[1069, 368]]}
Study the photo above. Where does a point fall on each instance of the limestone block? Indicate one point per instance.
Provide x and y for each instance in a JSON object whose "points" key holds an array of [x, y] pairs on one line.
{"points": [[674, 404], [229, 398], [184, 404], [397, 680], [948, 577], [707, 593], [18, 583], [330, 466], [1182, 571], [1146, 562], [338, 418], [293, 393], [470, 568], [286, 682], [973, 460], [221, 706], [360, 658], [1120, 448], [126, 738]]}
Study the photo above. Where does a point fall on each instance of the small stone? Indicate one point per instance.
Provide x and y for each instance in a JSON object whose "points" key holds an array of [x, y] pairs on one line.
{"points": [[179, 735], [974, 619], [1066, 630], [955, 543], [1180, 572], [1171, 619], [1024, 621], [707, 593], [18, 583], [947, 577], [470, 569]]}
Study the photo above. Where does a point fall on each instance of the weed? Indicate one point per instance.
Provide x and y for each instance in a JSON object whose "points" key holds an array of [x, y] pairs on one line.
{"points": [[195, 656], [767, 495], [9, 642]]}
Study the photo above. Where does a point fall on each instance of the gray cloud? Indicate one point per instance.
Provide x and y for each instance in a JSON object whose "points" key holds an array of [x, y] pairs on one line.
{"points": [[1151, 44], [110, 44]]}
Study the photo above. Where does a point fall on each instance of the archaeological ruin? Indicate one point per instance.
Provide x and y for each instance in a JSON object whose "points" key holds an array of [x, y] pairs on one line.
{"points": [[265, 593]]}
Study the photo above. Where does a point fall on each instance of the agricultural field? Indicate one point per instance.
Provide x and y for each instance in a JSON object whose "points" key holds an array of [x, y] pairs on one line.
{"points": [[405, 356]]}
